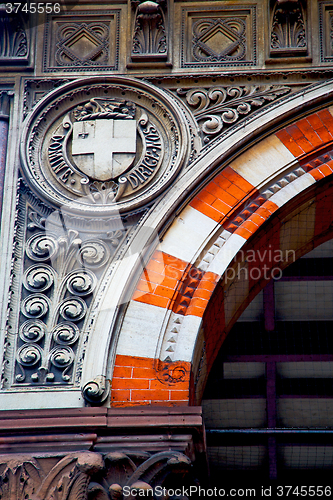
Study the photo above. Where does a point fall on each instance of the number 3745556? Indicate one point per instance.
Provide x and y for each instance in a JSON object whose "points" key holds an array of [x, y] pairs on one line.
{"points": [[32, 8]]}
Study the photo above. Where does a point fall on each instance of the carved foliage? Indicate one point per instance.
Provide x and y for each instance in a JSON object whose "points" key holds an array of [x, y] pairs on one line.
{"points": [[61, 271], [87, 475], [13, 36], [150, 36], [24, 478], [219, 107], [142, 471], [288, 29]]}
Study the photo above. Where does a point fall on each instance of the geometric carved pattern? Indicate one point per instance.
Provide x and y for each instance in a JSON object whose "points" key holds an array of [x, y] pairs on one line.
{"points": [[219, 40], [288, 29], [326, 31], [83, 43], [219, 37]]}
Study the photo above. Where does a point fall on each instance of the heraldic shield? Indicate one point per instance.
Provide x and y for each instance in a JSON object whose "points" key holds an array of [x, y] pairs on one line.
{"points": [[104, 148]]}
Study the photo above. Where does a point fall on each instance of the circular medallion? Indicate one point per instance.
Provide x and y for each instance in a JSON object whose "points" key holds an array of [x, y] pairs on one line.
{"points": [[104, 145]]}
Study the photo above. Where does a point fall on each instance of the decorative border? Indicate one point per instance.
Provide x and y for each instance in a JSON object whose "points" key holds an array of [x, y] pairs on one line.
{"points": [[253, 14], [47, 31]]}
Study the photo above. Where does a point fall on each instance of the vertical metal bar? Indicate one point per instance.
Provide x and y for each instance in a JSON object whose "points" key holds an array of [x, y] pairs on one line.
{"points": [[4, 117]]}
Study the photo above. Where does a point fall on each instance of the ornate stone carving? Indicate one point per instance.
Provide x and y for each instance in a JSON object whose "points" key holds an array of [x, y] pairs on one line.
{"points": [[63, 257], [288, 29], [24, 477], [85, 43], [96, 391], [219, 107], [219, 40], [148, 140], [89, 475], [140, 472], [150, 35], [14, 46], [82, 44], [216, 37]]}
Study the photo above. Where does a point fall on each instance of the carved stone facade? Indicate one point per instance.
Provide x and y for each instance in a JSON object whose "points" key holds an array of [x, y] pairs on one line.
{"points": [[121, 125]]}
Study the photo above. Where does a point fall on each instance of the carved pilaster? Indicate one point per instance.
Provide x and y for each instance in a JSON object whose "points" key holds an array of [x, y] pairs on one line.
{"points": [[288, 28], [150, 31]]}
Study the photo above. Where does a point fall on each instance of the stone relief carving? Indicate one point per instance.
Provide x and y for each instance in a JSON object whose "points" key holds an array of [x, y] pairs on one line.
{"points": [[288, 29], [148, 140], [219, 40], [73, 36], [13, 40], [217, 108], [25, 477], [92, 476], [94, 154], [219, 36], [86, 43], [150, 33], [60, 267]]}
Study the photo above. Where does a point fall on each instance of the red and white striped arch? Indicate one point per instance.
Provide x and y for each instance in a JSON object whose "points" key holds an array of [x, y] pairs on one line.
{"points": [[158, 356]]}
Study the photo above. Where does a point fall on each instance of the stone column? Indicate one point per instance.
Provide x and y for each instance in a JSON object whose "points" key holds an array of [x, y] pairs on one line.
{"points": [[4, 118]]}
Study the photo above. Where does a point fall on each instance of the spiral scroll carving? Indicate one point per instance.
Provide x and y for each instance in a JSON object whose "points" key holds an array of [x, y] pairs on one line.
{"points": [[219, 107], [72, 309], [96, 391], [93, 254], [38, 278], [29, 355], [65, 333], [81, 282], [41, 247], [32, 331], [35, 306]]}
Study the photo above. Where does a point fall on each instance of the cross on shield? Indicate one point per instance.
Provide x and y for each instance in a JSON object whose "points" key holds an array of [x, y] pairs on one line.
{"points": [[103, 149]]}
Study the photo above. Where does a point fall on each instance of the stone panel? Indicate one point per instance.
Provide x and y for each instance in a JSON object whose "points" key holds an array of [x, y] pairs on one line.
{"points": [[218, 36], [326, 31], [82, 42]]}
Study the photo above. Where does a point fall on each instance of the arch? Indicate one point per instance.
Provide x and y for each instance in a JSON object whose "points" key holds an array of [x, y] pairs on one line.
{"points": [[152, 348]]}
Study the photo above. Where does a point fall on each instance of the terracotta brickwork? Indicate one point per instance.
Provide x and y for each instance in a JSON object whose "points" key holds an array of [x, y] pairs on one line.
{"points": [[308, 134], [223, 195], [176, 285], [135, 382]]}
